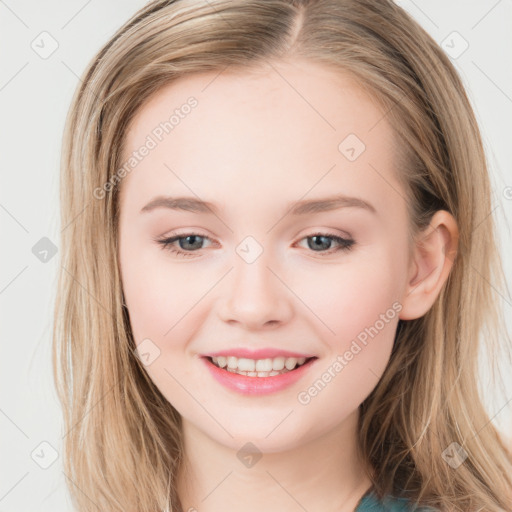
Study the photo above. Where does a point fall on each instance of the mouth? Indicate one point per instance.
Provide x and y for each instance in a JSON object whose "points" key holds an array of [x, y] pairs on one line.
{"points": [[258, 377], [259, 368]]}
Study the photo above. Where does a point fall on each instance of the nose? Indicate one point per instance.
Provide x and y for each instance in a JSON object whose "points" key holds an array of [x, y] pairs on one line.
{"points": [[256, 296]]}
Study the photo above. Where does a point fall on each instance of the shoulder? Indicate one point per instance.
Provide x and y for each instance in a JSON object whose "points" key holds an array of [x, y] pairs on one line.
{"points": [[371, 503]]}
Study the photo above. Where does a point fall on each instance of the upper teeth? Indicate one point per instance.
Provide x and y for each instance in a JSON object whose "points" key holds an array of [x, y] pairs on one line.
{"points": [[258, 365]]}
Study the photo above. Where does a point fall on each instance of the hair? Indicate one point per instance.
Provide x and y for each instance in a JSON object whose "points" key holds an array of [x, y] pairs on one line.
{"points": [[123, 442]]}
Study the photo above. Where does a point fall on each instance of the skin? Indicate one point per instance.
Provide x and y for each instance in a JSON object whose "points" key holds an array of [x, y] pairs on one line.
{"points": [[256, 142]]}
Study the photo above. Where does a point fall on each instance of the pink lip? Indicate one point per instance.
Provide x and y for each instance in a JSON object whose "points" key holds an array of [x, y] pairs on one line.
{"points": [[263, 353], [257, 385]]}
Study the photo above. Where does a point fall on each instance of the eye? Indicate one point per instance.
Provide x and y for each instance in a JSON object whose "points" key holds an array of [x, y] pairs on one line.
{"points": [[193, 241], [321, 240]]}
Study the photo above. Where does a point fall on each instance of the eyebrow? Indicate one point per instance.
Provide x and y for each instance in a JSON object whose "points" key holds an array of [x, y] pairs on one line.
{"points": [[303, 207]]}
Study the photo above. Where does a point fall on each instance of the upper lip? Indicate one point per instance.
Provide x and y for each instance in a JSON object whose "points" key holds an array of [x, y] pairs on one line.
{"points": [[262, 353]]}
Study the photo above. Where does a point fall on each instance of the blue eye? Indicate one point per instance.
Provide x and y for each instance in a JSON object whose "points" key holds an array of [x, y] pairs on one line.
{"points": [[318, 241], [193, 239]]}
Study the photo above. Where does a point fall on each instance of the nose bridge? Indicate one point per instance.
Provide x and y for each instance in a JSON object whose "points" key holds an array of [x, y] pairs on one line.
{"points": [[255, 296]]}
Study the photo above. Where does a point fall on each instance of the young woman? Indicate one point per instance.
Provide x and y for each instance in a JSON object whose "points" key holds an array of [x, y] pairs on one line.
{"points": [[276, 267]]}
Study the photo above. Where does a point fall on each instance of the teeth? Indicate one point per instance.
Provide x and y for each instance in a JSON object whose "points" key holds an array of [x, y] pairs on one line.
{"points": [[257, 374], [259, 367], [278, 363], [290, 363], [264, 365], [246, 365]]}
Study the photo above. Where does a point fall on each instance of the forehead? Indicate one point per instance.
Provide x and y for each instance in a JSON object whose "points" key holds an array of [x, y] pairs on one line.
{"points": [[288, 127]]}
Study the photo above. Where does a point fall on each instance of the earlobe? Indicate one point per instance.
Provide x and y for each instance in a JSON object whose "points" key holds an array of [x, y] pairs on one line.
{"points": [[433, 257]]}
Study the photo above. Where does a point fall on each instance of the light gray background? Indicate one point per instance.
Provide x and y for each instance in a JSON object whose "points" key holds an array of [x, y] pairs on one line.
{"points": [[35, 93]]}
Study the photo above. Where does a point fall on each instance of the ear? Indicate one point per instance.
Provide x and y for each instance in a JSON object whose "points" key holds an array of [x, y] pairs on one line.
{"points": [[432, 259]]}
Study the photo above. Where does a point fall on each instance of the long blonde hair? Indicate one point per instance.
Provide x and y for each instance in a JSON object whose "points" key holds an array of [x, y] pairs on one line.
{"points": [[122, 440]]}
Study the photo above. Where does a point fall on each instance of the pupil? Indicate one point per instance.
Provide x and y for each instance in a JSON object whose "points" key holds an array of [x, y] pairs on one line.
{"points": [[193, 237], [316, 245]]}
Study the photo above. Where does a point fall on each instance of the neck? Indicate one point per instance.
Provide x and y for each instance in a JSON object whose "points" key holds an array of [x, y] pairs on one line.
{"points": [[325, 474]]}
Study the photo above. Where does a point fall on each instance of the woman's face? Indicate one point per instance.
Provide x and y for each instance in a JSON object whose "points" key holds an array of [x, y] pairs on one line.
{"points": [[260, 273]]}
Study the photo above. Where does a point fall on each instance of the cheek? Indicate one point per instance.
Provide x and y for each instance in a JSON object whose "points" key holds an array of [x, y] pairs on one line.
{"points": [[350, 297], [363, 311], [359, 309], [167, 299], [158, 294]]}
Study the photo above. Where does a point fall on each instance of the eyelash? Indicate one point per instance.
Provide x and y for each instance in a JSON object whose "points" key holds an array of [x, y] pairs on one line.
{"points": [[166, 243]]}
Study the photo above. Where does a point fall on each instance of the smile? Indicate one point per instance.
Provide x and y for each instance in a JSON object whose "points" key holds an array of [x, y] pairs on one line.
{"points": [[257, 376], [258, 367]]}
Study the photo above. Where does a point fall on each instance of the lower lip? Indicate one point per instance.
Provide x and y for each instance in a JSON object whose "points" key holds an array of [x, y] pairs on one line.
{"points": [[257, 385]]}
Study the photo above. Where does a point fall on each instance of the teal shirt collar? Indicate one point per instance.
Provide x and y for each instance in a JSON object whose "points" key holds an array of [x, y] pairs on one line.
{"points": [[371, 503]]}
